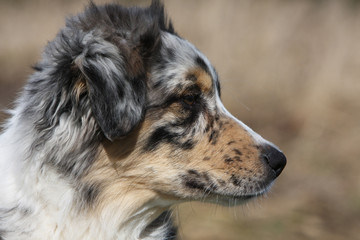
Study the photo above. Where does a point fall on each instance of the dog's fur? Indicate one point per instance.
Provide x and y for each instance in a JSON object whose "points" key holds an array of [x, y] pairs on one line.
{"points": [[121, 119]]}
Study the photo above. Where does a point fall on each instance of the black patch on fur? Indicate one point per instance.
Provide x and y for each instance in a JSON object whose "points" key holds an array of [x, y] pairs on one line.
{"points": [[191, 77], [207, 128], [218, 87], [164, 135], [158, 84], [213, 137], [164, 220], [228, 160], [194, 183], [237, 151], [194, 172], [160, 135], [237, 158], [199, 181], [171, 233], [188, 145], [89, 193], [201, 63], [194, 180], [170, 100], [235, 180]]}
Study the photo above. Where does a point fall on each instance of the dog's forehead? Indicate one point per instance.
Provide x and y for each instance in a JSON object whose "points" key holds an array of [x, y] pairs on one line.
{"points": [[180, 63]]}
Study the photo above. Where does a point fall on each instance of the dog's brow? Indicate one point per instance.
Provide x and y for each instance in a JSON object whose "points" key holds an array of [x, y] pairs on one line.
{"points": [[201, 63], [202, 79]]}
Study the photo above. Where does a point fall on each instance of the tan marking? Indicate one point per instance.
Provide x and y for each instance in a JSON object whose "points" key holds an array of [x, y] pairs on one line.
{"points": [[79, 88], [244, 165], [203, 80]]}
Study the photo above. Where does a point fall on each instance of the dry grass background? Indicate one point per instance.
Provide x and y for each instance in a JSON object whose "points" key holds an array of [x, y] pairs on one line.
{"points": [[290, 69]]}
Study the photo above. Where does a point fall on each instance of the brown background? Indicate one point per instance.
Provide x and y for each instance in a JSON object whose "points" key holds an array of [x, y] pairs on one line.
{"points": [[289, 69]]}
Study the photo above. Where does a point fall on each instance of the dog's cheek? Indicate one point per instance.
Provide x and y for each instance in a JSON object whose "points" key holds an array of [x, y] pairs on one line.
{"points": [[176, 130]]}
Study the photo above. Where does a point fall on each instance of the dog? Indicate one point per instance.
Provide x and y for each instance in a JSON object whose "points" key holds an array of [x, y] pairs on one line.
{"points": [[121, 119]]}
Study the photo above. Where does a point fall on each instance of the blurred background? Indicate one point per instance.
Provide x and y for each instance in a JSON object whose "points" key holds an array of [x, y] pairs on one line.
{"points": [[290, 69]]}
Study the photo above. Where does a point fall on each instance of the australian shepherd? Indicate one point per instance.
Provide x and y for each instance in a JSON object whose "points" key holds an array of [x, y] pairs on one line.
{"points": [[121, 119]]}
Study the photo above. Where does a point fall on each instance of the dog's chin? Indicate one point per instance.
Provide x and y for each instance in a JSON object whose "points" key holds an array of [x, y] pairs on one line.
{"points": [[235, 198]]}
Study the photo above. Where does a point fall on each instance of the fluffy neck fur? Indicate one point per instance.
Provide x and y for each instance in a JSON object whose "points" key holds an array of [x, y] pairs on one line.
{"points": [[38, 202]]}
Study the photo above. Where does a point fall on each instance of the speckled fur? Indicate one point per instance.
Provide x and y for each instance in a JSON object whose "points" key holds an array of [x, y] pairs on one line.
{"points": [[121, 120]]}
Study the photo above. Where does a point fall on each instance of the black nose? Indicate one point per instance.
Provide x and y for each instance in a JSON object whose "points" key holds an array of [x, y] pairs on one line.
{"points": [[274, 158]]}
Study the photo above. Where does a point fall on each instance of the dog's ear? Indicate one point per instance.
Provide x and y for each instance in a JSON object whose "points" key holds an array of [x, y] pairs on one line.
{"points": [[116, 84], [116, 48]]}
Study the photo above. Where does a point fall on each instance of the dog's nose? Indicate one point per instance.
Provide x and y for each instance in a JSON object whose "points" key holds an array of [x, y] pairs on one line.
{"points": [[274, 158]]}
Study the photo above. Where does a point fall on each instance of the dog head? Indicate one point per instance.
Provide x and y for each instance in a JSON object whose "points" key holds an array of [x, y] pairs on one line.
{"points": [[158, 97], [156, 100]]}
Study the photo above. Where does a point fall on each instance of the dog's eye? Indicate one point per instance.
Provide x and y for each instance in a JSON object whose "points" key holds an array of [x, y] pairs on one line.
{"points": [[189, 99]]}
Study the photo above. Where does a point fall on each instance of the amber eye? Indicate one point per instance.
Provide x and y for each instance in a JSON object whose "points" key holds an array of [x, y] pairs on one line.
{"points": [[189, 99]]}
